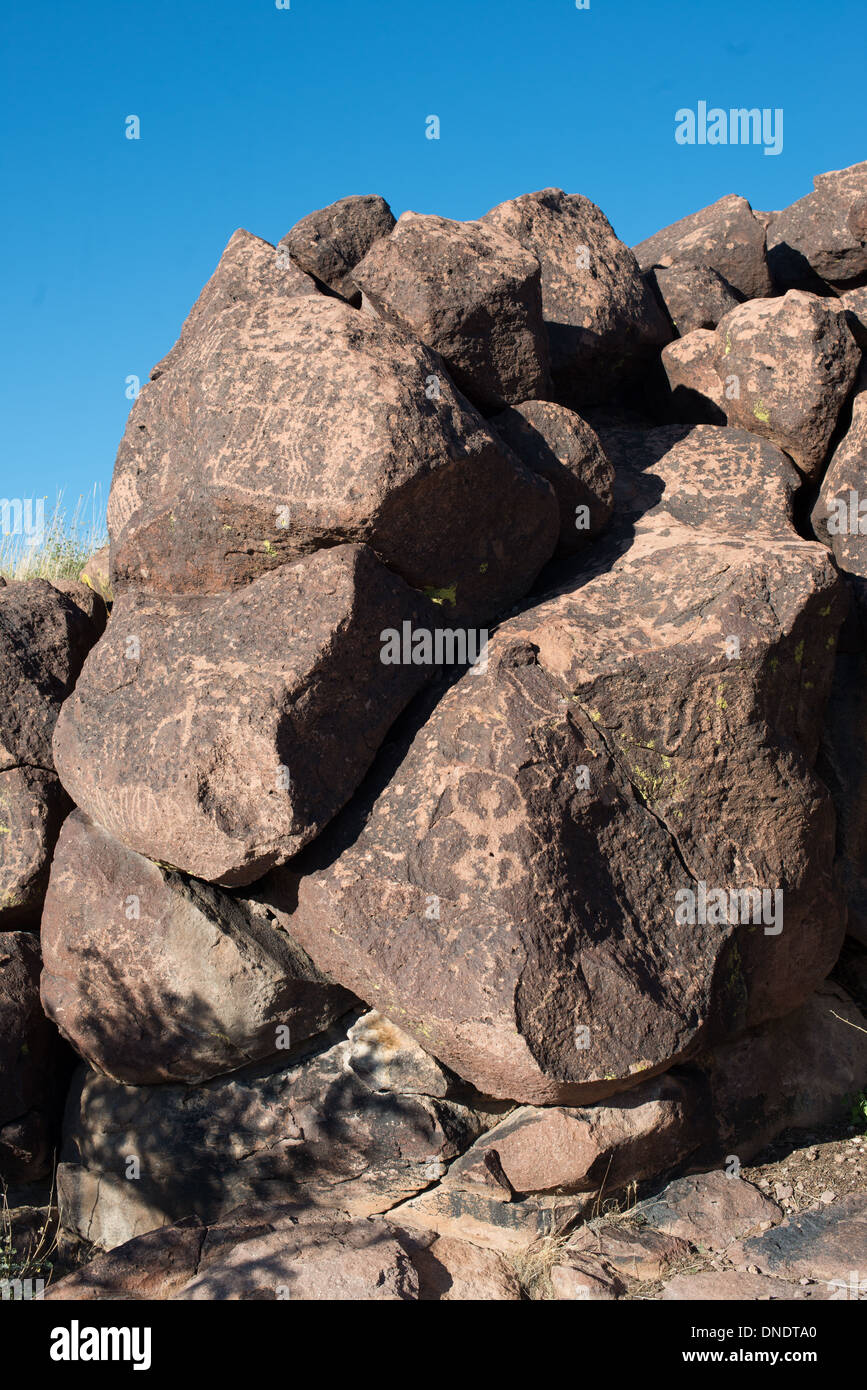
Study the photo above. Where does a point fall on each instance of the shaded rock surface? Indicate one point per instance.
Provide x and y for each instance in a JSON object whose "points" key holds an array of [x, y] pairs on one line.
{"points": [[821, 240], [32, 1069], [153, 977], [307, 1129], [557, 444], [218, 734]]}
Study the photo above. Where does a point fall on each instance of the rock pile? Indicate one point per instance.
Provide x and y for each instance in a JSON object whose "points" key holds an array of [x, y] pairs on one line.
{"points": [[471, 780]]}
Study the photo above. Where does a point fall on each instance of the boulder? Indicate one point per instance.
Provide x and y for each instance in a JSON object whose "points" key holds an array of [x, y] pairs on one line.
{"points": [[329, 243], [842, 761], [31, 1066], [694, 296], [289, 424], [470, 293], [284, 1252], [44, 637], [795, 363], [306, 1130], [581, 1277], [710, 1210], [218, 734], [561, 447], [559, 1151], [821, 240], [727, 236], [696, 394], [635, 1253], [702, 476], [156, 978], [521, 882], [604, 323], [33, 805]]}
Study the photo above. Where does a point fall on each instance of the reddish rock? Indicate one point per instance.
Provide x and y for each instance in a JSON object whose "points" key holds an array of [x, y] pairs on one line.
{"points": [[307, 1129], [156, 978], [604, 323], [694, 296], [329, 243], [472, 294], [636, 1136], [291, 423], [218, 734], [710, 1210], [582, 1277], [727, 236], [828, 1246], [840, 514], [854, 306], [634, 1253], [511, 877], [793, 1073], [795, 363]]}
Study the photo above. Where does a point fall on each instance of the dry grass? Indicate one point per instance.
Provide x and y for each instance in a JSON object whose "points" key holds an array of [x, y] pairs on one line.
{"points": [[60, 547]]}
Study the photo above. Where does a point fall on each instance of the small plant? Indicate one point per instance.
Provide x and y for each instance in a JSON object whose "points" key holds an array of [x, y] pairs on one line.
{"points": [[858, 1111], [31, 1260]]}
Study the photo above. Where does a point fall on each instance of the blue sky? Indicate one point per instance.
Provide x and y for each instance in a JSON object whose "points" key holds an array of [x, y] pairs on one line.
{"points": [[253, 115]]}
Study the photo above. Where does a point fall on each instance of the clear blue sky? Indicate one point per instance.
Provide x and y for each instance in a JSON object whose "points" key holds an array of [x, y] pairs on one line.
{"points": [[252, 116]]}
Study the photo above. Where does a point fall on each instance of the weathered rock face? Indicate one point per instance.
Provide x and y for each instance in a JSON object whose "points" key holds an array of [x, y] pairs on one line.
{"points": [[823, 237], [727, 236], [795, 363], [44, 638], [308, 1130], [218, 734], [561, 447], [292, 423], [30, 1063], [694, 296], [472, 294], [329, 243], [511, 885], [825, 1246], [156, 978], [603, 320], [250, 274]]}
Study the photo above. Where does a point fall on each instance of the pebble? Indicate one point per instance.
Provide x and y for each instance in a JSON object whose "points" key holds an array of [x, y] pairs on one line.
{"points": [[827, 1197]]}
